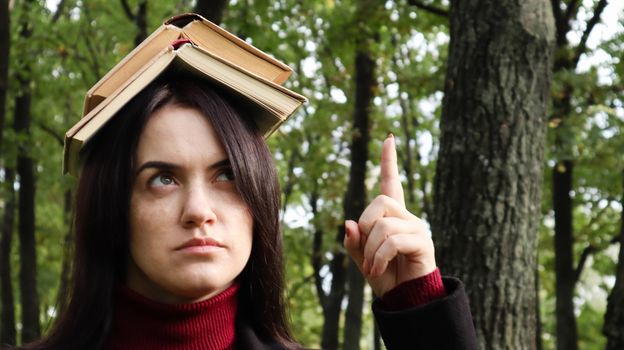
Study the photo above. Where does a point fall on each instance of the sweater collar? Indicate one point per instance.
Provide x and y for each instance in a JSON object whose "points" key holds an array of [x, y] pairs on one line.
{"points": [[142, 323]]}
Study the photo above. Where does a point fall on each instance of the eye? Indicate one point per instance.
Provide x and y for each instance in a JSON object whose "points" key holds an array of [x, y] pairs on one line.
{"points": [[225, 175], [161, 180]]}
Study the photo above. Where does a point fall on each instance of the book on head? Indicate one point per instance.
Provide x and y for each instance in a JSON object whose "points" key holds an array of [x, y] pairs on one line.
{"points": [[202, 33], [236, 71]]}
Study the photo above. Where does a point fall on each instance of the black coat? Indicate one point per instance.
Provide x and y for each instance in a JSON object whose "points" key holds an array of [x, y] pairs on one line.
{"points": [[444, 324]]}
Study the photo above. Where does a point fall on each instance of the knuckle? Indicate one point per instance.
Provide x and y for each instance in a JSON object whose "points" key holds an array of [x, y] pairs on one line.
{"points": [[379, 256], [383, 199], [364, 225], [393, 241], [383, 225]]}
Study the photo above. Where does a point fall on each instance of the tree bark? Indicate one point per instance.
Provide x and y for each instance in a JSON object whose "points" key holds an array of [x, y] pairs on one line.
{"points": [[489, 173], [613, 327], [26, 199], [212, 10]]}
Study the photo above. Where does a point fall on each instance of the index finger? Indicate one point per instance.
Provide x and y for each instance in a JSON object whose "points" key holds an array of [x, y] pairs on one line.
{"points": [[390, 180]]}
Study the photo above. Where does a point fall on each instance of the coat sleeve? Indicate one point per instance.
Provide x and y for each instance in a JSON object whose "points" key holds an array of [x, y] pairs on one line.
{"points": [[445, 323]]}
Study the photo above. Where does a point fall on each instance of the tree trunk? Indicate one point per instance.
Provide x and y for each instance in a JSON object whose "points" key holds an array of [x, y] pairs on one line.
{"points": [[26, 218], [139, 18], [67, 250], [5, 42], [376, 337], [614, 318], [7, 322], [212, 10], [489, 173], [7, 315], [564, 260], [539, 344], [355, 199], [567, 59], [331, 313], [343, 270], [26, 199]]}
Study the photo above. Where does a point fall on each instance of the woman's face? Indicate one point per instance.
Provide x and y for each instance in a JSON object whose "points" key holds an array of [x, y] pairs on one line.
{"points": [[190, 231]]}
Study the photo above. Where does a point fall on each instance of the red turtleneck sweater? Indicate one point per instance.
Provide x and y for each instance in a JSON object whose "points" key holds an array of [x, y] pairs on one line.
{"points": [[140, 323]]}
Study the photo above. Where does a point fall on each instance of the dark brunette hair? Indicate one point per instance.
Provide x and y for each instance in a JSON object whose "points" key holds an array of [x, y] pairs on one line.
{"points": [[103, 203]]}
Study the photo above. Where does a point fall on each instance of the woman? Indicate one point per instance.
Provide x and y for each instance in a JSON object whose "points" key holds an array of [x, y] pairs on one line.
{"points": [[178, 243], [178, 246]]}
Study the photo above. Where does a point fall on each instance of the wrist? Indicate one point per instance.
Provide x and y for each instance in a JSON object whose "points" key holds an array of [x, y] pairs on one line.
{"points": [[415, 292]]}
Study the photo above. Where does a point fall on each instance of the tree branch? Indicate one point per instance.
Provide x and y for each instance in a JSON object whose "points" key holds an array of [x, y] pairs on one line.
{"points": [[590, 249], [317, 244], [571, 9], [127, 10], [290, 181], [556, 9], [595, 218], [50, 132], [582, 46], [59, 11], [429, 8], [296, 286]]}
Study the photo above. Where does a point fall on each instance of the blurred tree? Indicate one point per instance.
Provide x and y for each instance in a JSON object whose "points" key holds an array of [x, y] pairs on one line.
{"points": [[489, 171], [566, 60], [212, 10], [7, 316], [139, 18], [367, 11], [29, 296], [614, 318]]}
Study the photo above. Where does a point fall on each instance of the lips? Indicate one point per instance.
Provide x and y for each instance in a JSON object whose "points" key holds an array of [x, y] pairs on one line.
{"points": [[200, 242]]}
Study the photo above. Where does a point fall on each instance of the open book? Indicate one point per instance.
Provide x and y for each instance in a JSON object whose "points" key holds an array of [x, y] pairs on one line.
{"points": [[202, 33], [270, 102]]}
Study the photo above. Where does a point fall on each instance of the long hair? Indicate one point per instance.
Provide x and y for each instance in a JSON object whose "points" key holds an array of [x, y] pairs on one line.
{"points": [[102, 209]]}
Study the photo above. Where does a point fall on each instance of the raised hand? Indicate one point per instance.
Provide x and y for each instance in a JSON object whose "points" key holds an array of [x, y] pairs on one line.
{"points": [[389, 244]]}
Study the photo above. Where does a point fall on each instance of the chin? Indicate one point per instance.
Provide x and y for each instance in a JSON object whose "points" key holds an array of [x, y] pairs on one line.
{"points": [[201, 291]]}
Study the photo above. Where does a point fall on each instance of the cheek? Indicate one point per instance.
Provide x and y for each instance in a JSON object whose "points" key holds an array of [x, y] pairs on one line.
{"points": [[242, 224], [148, 224]]}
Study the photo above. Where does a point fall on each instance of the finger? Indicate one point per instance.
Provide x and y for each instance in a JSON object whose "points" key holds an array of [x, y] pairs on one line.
{"points": [[352, 243], [400, 245], [390, 180], [382, 206], [385, 228]]}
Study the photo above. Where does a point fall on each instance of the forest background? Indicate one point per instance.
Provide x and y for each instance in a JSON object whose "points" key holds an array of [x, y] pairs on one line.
{"points": [[547, 276]]}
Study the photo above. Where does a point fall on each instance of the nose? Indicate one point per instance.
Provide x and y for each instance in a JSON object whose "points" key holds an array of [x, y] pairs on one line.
{"points": [[198, 209]]}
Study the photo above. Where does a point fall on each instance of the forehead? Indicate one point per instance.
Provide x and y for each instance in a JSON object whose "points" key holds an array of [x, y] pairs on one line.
{"points": [[178, 133]]}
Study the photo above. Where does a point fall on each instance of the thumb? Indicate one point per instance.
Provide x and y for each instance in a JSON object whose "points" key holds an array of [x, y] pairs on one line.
{"points": [[353, 244]]}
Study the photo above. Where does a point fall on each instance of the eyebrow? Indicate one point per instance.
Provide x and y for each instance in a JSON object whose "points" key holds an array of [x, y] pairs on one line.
{"points": [[172, 166]]}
